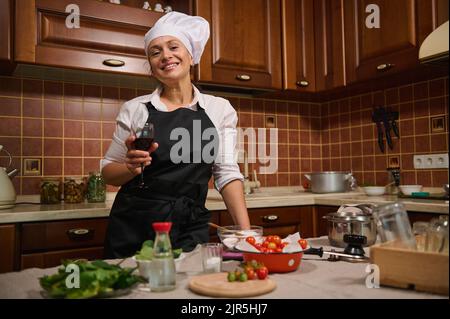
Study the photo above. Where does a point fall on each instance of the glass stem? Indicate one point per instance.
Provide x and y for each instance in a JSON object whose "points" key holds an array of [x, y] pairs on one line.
{"points": [[142, 175]]}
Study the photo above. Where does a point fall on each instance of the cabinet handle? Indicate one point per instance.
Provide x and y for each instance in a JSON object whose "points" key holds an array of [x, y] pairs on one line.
{"points": [[385, 67], [80, 233], [113, 62], [243, 77], [302, 83], [270, 218]]}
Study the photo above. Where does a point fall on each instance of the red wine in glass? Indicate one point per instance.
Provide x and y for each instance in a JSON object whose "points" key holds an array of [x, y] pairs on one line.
{"points": [[143, 143]]}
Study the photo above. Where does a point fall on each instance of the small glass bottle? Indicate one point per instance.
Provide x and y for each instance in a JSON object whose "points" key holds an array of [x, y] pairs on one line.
{"points": [[50, 191], [96, 188], [162, 268], [73, 190]]}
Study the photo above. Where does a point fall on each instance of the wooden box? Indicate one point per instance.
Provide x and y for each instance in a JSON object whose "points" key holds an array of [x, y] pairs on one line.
{"points": [[402, 268]]}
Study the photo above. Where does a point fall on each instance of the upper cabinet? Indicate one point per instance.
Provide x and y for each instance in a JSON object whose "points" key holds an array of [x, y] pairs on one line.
{"points": [[245, 45], [383, 36], [298, 40], [6, 37], [108, 37]]}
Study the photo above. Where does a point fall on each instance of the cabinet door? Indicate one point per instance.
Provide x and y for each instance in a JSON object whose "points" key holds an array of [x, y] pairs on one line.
{"points": [[6, 35], [329, 44], [299, 54], [109, 38], [245, 45], [54, 258], [7, 247], [373, 50]]}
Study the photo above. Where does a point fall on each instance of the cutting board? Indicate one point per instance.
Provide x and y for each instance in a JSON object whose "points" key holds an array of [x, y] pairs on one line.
{"points": [[217, 285]]}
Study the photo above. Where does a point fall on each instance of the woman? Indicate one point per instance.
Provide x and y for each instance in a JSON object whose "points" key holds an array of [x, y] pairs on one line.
{"points": [[177, 170]]}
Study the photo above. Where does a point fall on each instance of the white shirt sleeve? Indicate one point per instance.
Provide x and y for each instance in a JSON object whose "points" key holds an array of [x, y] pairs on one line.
{"points": [[225, 168]]}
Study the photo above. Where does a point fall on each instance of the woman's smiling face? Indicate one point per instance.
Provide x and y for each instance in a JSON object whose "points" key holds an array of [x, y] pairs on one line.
{"points": [[169, 59]]}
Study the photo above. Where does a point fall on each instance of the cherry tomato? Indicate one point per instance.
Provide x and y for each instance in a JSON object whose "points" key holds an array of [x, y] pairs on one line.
{"points": [[269, 238], [265, 244], [276, 239], [251, 240], [231, 276], [250, 273], [272, 245], [262, 272], [278, 250], [243, 277], [258, 246], [303, 243]]}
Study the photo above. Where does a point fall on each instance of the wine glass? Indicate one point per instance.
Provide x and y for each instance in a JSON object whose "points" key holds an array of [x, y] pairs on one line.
{"points": [[144, 139]]}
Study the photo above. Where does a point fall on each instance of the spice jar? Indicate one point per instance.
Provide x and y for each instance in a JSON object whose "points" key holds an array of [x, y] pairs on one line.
{"points": [[50, 191], [96, 188], [73, 190]]}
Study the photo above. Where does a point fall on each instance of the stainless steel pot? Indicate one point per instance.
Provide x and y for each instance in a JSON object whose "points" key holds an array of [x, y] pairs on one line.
{"points": [[330, 182], [357, 221]]}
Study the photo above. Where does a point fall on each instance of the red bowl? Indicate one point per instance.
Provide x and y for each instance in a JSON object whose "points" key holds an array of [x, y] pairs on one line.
{"points": [[276, 262]]}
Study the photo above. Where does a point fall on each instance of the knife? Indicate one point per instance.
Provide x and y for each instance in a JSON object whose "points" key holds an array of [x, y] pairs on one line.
{"points": [[376, 118], [387, 127], [393, 116]]}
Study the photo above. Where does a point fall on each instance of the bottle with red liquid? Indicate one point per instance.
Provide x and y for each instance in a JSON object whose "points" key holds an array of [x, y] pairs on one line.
{"points": [[162, 267]]}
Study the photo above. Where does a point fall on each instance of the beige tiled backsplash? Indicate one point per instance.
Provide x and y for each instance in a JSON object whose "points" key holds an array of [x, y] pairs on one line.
{"points": [[67, 120]]}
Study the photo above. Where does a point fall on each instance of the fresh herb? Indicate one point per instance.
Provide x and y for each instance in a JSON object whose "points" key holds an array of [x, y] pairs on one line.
{"points": [[96, 279]]}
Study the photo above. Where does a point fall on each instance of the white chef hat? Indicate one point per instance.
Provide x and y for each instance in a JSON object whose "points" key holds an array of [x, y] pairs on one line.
{"points": [[192, 31]]}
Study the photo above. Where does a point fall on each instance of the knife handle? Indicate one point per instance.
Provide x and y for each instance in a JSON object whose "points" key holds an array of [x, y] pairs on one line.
{"points": [[314, 251], [380, 139], [395, 129]]}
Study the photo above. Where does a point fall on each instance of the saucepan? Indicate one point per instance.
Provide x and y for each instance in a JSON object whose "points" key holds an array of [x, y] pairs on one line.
{"points": [[330, 182]]}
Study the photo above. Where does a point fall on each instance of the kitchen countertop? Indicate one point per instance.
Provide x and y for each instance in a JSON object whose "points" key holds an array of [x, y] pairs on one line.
{"points": [[265, 197], [315, 278]]}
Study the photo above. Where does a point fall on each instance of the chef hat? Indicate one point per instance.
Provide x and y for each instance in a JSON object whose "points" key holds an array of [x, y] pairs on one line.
{"points": [[192, 31]]}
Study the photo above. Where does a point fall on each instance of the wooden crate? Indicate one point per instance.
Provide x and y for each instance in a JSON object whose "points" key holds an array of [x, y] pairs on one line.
{"points": [[422, 271]]}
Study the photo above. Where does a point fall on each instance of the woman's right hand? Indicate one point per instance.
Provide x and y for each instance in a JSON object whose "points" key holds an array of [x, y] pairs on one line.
{"points": [[134, 157]]}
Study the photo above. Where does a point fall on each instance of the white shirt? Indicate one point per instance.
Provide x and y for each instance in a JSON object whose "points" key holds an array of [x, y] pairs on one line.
{"points": [[134, 113]]}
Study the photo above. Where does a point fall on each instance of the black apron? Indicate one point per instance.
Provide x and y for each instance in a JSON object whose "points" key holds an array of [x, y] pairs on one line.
{"points": [[174, 192]]}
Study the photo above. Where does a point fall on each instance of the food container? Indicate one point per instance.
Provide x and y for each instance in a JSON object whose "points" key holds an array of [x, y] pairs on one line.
{"points": [[330, 182], [50, 190], [73, 190], [276, 262], [231, 235], [409, 189], [353, 220], [374, 190], [96, 188]]}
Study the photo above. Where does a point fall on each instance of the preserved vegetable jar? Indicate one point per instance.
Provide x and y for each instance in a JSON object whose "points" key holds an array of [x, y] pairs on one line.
{"points": [[50, 191], [73, 190], [96, 188]]}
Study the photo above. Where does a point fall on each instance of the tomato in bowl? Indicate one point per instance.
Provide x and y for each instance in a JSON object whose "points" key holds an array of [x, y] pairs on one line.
{"points": [[276, 262]]}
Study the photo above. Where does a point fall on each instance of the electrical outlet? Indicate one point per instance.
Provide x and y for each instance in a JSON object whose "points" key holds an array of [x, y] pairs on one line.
{"points": [[431, 161]]}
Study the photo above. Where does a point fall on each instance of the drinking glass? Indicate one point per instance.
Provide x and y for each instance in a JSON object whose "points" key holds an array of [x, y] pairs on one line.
{"points": [[212, 257], [394, 227], [420, 230], [144, 139]]}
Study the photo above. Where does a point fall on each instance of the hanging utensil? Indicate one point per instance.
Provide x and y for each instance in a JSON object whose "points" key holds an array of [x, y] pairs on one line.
{"points": [[377, 119]]}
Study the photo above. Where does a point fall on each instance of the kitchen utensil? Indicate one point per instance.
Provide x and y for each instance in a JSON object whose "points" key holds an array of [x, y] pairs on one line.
{"points": [[353, 252], [409, 189], [7, 191], [387, 127], [392, 118], [217, 285], [354, 220], [377, 119], [329, 182], [276, 262], [393, 226]]}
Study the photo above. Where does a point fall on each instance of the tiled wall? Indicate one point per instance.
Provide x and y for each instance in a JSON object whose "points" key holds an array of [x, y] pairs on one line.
{"points": [[68, 126], [349, 135]]}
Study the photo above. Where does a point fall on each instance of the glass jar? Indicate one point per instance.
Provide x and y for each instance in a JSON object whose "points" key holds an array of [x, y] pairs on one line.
{"points": [[50, 191], [96, 188], [73, 190], [437, 235]]}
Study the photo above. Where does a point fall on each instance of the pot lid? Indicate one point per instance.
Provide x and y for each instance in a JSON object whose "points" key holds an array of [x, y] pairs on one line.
{"points": [[353, 211]]}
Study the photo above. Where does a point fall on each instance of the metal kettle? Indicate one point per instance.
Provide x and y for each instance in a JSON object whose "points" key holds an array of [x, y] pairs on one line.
{"points": [[7, 191]]}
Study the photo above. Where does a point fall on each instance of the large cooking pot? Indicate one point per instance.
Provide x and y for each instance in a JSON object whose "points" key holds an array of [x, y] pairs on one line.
{"points": [[330, 182], [352, 220]]}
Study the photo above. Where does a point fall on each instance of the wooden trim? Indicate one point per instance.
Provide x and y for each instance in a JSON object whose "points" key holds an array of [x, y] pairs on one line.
{"points": [[25, 31], [203, 71]]}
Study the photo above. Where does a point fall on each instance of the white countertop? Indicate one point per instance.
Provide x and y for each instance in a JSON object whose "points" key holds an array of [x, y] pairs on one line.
{"points": [[265, 197], [315, 278]]}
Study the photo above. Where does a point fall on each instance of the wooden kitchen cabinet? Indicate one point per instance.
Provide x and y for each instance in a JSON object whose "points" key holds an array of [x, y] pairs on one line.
{"points": [[6, 37], [45, 244], [280, 221], [7, 248], [393, 47], [110, 37], [245, 48]]}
